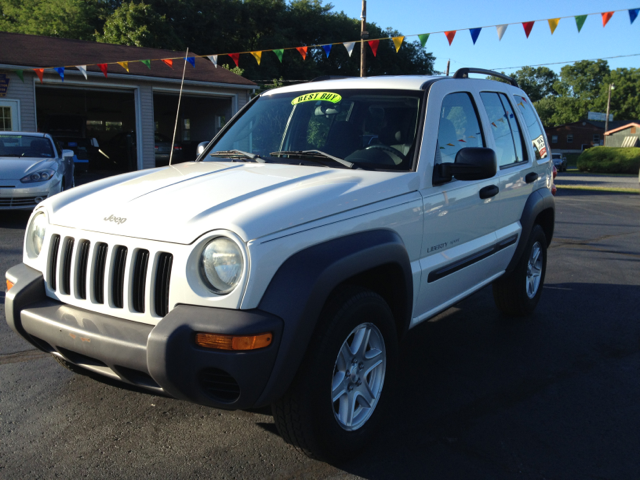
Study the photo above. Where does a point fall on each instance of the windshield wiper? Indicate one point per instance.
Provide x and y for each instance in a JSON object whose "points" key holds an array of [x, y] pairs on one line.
{"points": [[312, 154], [233, 154]]}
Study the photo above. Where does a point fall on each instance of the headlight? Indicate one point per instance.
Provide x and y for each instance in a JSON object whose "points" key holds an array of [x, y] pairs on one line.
{"points": [[39, 176], [35, 234], [221, 265]]}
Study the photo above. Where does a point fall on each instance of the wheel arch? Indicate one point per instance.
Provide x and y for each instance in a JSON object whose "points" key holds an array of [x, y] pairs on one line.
{"points": [[300, 288]]}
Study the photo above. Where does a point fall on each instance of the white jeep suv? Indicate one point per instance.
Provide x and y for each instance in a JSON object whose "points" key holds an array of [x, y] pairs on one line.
{"points": [[285, 265]]}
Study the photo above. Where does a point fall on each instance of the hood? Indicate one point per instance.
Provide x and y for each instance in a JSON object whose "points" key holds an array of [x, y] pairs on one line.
{"points": [[180, 203], [13, 168]]}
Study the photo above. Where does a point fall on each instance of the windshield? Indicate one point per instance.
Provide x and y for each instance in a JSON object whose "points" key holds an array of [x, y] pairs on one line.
{"points": [[373, 129], [25, 146]]}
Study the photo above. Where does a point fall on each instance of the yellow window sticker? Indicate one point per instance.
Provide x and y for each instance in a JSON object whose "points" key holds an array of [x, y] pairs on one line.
{"points": [[313, 97]]}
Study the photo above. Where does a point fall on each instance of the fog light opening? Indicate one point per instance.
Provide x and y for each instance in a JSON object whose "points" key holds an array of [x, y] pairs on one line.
{"points": [[38, 199], [233, 342]]}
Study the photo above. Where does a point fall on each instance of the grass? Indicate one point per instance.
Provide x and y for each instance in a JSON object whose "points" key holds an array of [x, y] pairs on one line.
{"points": [[598, 189]]}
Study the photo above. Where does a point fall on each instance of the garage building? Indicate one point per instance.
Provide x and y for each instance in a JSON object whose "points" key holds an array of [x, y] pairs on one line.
{"points": [[124, 120]]}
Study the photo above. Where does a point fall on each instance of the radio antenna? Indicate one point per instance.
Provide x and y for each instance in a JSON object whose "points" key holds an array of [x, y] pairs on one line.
{"points": [[175, 127]]}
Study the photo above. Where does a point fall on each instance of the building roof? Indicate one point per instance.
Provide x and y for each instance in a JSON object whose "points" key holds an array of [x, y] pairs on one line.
{"points": [[34, 51], [623, 127]]}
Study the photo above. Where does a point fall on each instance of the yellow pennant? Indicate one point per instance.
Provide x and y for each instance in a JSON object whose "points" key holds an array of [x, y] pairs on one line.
{"points": [[397, 41], [124, 65], [258, 56], [553, 24]]}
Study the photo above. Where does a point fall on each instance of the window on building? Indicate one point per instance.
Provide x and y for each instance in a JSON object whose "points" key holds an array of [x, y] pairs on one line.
{"points": [[5, 119], [554, 138], [569, 138]]}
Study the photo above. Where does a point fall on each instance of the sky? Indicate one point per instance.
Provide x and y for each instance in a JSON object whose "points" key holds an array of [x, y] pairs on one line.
{"points": [[566, 45]]}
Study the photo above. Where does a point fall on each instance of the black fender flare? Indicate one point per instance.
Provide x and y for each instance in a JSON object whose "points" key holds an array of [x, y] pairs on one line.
{"points": [[302, 284], [539, 201]]}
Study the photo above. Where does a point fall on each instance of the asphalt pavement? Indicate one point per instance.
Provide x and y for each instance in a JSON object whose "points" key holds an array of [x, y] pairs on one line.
{"points": [[554, 396], [598, 180]]}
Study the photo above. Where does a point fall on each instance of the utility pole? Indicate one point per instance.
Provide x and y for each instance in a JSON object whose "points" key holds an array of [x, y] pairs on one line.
{"points": [[606, 120], [448, 63], [363, 35]]}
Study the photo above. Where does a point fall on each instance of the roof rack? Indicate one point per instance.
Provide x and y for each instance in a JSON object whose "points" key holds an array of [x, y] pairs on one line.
{"points": [[329, 77], [464, 73]]}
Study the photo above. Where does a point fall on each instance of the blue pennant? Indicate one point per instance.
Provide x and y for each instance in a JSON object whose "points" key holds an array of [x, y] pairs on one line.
{"points": [[327, 49], [475, 33], [633, 13], [60, 71], [192, 61]]}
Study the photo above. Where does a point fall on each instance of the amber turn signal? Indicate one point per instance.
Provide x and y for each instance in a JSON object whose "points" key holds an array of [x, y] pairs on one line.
{"points": [[9, 285], [233, 342]]}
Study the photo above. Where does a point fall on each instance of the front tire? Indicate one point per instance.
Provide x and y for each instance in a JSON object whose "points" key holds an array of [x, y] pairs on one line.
{"points": [[339, 396], [517, 294]]}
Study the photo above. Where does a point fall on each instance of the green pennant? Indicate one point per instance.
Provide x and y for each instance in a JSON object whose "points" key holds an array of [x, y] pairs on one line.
{"points": [[423, 38], [20, 75], [279, 53], [580, 21], [147, 63]]}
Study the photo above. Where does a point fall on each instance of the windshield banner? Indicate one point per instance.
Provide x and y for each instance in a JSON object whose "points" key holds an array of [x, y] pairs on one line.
{"points": [[321, 96]]}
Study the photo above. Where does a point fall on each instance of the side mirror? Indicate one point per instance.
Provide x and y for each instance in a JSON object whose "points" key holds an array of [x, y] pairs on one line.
{"points": [[67, 153], [201, 147], [472, 163]]}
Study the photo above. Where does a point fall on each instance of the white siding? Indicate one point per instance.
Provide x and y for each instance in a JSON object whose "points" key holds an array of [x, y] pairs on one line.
{"points": [[147, 126], [26, 94]]}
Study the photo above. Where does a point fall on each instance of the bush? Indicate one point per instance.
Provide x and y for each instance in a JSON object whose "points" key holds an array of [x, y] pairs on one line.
{"points": [[610, 160]]}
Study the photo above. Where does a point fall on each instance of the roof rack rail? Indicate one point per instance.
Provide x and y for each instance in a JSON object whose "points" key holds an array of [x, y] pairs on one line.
{"points": [[330, 77], [464, 73]]}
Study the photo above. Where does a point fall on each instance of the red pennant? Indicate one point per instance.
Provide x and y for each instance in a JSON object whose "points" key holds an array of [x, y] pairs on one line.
{"points": [[168, 62], [374, 46], [606, 16], [450, 36], [527, 27], [235, 57], [40, 73], [103, 67], [303, 52]]}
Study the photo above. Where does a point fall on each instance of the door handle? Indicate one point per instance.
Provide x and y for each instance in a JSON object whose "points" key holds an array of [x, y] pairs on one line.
{"points": [[531, 177], [488, 192]]}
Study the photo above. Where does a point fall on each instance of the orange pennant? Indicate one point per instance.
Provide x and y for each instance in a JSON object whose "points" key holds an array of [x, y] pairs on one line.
{"points": [[450, 35], [303, 52], [606, 16], [168, 62], [39, 72]]}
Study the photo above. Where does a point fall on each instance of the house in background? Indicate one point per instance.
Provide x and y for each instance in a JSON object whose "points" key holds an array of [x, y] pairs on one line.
{"points": [[575, 137], [625, 136], [134, 104]]}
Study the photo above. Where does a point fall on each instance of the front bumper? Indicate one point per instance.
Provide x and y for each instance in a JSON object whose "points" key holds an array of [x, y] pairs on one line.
{"points": [[27, 197], [161, 358]]}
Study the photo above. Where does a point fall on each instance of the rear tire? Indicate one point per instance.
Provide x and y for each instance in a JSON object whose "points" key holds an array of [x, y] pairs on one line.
{"points": [[517, 294], [337, 401]]}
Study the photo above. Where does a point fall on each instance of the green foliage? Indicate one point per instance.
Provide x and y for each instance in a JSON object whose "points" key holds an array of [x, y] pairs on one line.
{"points": [[538, 82], [236, 70], [609, 160]]}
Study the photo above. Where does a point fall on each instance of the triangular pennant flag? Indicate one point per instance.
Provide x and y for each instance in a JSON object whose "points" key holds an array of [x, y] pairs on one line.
{"points": [[303, 52], [39, 72], [124, 65], [475, 32], [349, 46], [257, 56], [60, 71], [450, 35], [423, 38], [168, 61], [501, 29], [103, 67], [397, 41], [606, 16], [279, 53], [235, 57], [527, 27], [83, 70], [580, 19], [633, 14], [214, 60], [20, 75], [327, 49], [553, 24], [192, 61], [147, 63], [374, 46]]}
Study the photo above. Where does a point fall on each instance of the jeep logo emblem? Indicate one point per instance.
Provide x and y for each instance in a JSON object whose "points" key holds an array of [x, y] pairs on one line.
{"points": [[118, 220]]}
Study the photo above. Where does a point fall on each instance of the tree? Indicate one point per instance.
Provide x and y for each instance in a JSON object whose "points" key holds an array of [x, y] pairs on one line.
{"points": [[538, 82]]}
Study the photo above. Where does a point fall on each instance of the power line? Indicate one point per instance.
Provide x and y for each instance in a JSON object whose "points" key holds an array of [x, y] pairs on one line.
{"points": [[569, 61]]}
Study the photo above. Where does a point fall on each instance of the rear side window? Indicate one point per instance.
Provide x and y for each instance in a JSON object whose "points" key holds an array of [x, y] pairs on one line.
{"points": [[510, 147], [459, 127], [533, 125]]}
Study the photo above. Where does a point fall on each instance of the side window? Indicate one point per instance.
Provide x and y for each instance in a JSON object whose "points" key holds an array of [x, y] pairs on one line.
{"points": [[459, 127], [504, 127], [536, 134]]}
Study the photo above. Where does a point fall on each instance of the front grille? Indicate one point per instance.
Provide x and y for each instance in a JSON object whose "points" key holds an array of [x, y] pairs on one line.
{"points": [[20, 201], [95, 272]]}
